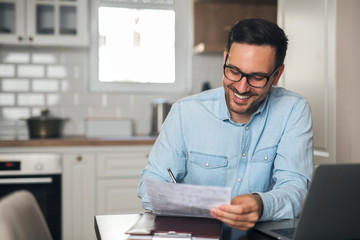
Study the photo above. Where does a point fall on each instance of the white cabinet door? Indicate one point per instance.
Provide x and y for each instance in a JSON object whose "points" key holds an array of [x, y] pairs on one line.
{"points": [[118, 177], [118, 196], [57, 22], [44, 22], [12, 14], [78, 196]]}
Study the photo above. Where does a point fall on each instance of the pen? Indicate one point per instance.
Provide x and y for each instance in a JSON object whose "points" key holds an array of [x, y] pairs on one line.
{"points": [[171, 175]]}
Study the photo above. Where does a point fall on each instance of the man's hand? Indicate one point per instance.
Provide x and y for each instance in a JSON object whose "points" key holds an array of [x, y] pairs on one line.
{"points": [[243, 213]]}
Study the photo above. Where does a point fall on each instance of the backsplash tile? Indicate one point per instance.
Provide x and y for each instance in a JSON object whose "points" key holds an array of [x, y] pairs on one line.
{"points": [[31, 99], [45, 58], [45, 85], [7, 99], [35, 71], [57, 72], [7, 70], [15, 85], [57, 78], [16, 57], [15, 113], [53, 99]]}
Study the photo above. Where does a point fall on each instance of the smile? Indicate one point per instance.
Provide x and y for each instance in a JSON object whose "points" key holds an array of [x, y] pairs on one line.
{"points": [[241, 97]]}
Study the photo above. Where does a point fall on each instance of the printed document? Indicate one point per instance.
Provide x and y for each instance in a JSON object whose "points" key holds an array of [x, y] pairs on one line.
{"points": [[174, 199]]}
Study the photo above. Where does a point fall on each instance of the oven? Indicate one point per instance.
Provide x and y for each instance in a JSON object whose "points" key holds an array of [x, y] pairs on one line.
{"points": [[39, 173]]}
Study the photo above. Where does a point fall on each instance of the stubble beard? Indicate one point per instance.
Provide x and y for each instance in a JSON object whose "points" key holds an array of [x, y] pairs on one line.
{"points": [[232, 105]]}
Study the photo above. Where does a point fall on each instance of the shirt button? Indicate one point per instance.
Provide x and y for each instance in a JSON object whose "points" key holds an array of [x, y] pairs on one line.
{"points": [[265, 157], [239, 179], [246, 128], [207, 164], [244, 154]]}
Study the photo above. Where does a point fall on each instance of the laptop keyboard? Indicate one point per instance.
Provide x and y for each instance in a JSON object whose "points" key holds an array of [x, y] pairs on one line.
{"points": [[286, 232]]}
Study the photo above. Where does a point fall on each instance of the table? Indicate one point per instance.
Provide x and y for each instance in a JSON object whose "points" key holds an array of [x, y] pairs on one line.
{"points": [[113, 227]]}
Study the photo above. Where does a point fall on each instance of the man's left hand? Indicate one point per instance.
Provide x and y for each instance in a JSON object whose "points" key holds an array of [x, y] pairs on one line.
{"points": [[243, 213]]}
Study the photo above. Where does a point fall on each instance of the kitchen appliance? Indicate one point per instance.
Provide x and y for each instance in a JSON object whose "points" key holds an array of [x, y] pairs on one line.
{"points": [[160, 109], [45, 125], [39, 173]]}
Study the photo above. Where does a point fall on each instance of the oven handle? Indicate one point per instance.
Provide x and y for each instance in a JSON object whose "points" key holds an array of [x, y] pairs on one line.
{"points": [[25, 180]]}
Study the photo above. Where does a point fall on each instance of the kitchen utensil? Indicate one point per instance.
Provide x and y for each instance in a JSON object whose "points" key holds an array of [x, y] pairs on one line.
{"points": [[45, 125], [160, 109]]}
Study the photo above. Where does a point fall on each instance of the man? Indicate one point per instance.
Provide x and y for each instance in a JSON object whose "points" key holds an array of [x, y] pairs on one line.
{"points": [[247, 135]]}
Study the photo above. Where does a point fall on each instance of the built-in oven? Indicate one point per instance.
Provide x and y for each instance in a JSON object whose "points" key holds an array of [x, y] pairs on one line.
{"points": [[39, 173]]}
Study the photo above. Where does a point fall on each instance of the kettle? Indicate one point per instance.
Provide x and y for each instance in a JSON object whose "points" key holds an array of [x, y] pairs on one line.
{"points": [[160, 108]]}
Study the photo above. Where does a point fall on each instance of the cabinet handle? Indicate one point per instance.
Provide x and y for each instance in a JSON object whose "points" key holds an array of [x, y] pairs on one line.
{"points": [[31, 38], [79, 158], [20, 38]]}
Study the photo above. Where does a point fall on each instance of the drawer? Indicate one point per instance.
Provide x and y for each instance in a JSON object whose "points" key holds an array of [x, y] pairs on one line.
{"points": [[121, 165]]}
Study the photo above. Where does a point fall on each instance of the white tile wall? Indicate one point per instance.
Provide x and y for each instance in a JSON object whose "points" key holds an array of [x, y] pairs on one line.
{"points": [[7, 99], [16, 57], [35, 71], [7, 70], [15, 113], [15, 85], [33, 78], [57, 72], [31, 99], [45, 58], [45, 85]]}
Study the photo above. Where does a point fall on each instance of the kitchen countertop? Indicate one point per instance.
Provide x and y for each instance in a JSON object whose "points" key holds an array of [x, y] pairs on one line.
{"points": [[80, 141]]}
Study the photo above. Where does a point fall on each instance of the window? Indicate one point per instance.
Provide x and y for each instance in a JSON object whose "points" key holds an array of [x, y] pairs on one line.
{"points": [[141, 46]]}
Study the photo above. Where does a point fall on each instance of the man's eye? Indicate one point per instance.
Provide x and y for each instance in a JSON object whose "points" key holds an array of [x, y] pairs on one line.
{"points": [[233, 71], [257, 77]]}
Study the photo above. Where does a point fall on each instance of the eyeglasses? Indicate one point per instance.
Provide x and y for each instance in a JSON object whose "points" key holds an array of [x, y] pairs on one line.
{"points": [[258, 80]]}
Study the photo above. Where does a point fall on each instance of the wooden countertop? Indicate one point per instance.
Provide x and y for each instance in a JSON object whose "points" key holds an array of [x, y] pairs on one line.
{"points": [[79, 141]]}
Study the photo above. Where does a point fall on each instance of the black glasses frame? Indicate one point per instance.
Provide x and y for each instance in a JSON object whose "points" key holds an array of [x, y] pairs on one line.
{"points": [[247, 75]]}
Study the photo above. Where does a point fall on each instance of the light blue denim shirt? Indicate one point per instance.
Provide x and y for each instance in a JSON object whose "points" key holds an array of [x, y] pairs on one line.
{"points": [[271, 155]]}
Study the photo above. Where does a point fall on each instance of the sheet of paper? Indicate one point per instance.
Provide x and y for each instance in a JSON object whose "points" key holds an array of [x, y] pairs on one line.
{"points": [[185, 199]]}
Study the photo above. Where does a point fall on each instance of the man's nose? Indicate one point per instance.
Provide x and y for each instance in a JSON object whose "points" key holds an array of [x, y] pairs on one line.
{"points": [[242, 86]]}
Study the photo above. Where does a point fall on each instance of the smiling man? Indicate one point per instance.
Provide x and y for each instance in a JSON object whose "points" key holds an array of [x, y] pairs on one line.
{"points": [[248, 135]]}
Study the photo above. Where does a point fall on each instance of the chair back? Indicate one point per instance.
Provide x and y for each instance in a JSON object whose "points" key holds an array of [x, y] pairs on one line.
{"points": [[21, 218]]}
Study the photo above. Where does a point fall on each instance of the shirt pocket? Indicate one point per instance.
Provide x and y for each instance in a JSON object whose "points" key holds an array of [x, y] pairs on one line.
{"points": [[207, 169], [261, 167]]}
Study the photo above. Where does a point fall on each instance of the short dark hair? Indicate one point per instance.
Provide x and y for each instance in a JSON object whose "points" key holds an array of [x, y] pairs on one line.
{"points": [[260, 32]]}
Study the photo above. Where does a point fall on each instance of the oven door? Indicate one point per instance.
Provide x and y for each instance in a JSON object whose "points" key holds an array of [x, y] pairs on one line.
{"points": [[47, 191]]}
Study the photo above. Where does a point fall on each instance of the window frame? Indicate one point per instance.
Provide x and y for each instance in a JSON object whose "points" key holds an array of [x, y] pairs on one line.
{"points": [[183, 56]]}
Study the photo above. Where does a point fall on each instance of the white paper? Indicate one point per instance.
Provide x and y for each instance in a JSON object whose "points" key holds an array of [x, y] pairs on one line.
{"points": [[176, 199]]}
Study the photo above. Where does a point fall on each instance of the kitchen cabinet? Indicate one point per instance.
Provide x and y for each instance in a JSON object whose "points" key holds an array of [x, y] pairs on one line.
{"points": [[78, 195], [44, 22], [118, 177], [214, 18], [98, 177]]}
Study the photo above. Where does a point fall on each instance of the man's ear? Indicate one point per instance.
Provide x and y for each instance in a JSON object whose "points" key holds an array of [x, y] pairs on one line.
{"points": [[225, 52], [278, 75]]}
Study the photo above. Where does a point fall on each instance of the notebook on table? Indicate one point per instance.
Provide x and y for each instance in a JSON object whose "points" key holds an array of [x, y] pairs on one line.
{"points": [[331, 209], [151, 226]]}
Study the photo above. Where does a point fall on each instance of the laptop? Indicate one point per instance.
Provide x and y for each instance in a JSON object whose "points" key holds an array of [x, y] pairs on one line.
{"points": [[331, 209]]}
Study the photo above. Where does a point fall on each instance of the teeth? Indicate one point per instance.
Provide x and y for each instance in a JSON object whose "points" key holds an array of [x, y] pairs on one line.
{"points": [[241, 97]]}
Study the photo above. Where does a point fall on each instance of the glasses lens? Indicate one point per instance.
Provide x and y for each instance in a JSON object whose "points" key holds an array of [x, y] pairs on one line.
{"points": [[232, 74], [257, 80]]}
